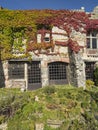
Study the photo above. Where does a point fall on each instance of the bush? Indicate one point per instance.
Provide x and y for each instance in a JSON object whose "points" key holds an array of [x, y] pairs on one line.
{"points": [[76, 108], [2, 119], [89, 84], [49, 90]]}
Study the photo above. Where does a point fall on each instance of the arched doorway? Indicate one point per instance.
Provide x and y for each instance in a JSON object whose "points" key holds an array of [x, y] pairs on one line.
{"points": [[57, 73]]}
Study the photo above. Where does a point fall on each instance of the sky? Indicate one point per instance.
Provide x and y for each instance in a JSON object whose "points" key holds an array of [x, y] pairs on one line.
{"points": [[49, 4]]}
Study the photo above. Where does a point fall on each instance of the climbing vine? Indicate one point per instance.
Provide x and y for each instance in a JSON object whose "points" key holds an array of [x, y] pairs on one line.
{"points": [[16, 26]]}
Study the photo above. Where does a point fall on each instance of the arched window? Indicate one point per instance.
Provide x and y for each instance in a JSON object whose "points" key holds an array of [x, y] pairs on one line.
{"points": [[57, 73]]}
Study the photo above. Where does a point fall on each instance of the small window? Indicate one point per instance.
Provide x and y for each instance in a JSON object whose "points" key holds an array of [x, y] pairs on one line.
{"points": [[16, 70], [47, 39], [92, 40]]}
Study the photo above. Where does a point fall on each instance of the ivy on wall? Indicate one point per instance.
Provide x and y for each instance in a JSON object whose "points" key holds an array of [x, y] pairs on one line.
{"points": [[17, 25]]}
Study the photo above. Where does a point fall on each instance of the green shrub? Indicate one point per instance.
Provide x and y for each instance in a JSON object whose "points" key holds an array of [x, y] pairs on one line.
{"points": [[2, 119], [46, 127], [49, 90], [21, 125], [75, 107], [89, 84]]}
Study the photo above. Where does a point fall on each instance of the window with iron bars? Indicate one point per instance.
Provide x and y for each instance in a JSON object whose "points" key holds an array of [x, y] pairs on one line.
{"points": [[89, 69], [57, 71], [16, 70]]}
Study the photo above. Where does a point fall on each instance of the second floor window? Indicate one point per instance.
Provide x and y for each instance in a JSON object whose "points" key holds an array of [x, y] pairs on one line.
{"points": [[92, 40], [47, 39]]}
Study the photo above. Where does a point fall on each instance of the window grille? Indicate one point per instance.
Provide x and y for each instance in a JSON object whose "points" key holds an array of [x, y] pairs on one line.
{"points": [[34, 73], [89, 69], [57, 71], [16, 70]]}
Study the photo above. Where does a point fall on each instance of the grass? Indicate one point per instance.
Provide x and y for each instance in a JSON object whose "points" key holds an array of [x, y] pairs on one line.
{"points": [[76, 108]]}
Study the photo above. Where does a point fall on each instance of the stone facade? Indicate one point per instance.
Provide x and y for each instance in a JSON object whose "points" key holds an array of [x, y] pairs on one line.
{"points": [[77, 71], [74, 63]]}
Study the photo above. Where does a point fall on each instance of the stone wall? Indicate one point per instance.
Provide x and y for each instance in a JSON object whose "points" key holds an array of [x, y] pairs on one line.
{"points": [[75, 72], [77, 69], [17, 84], [23, 83]]}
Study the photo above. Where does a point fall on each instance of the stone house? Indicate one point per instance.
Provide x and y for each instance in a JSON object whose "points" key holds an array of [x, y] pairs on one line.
{"points": [[54, 67]]}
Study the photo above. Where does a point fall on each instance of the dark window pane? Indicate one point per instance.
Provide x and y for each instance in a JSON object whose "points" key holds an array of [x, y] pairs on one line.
{"points": [[46, 39], [34, 72], [88, 42], [94, 33], [94, 43], [57, 71], [16, 70], [89, 69]]}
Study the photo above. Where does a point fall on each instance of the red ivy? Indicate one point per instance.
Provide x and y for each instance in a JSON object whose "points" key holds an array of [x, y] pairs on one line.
{"points": [[73, 45], [68, 20]]}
